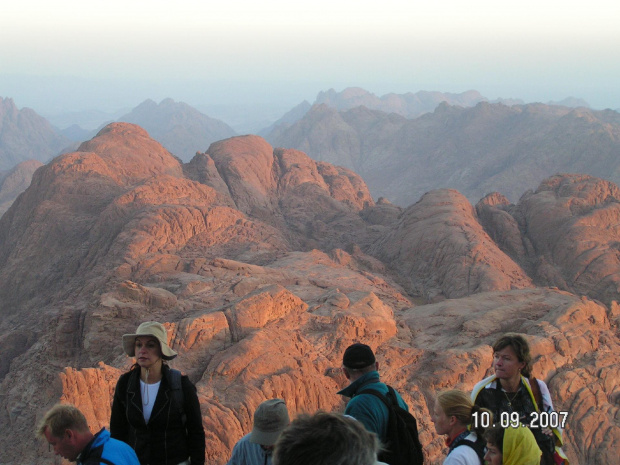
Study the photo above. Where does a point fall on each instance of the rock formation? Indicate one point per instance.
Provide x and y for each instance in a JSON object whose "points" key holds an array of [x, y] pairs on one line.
{"points": [[565, 233], [264, 266], [441, 251]]}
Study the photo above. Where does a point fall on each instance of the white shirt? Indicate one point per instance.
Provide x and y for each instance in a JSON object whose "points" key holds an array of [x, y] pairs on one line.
{"points": [[463, 454], [149, 394]]}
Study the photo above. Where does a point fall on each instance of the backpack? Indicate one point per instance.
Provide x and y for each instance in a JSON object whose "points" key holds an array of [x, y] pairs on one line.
{"points": [[174, 380], [402, 442]]}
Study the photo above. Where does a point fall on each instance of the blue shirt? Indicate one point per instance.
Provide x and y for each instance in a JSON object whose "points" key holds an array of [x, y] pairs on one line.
{"points": [[249, 453]]}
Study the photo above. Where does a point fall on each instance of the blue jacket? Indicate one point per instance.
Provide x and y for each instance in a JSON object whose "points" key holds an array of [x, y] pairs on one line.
{"points": [[249, 453], [102, 449], [369, 409]]}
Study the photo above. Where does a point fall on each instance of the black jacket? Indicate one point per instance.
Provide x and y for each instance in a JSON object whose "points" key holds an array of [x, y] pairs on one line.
{"points": [[164, 440]]}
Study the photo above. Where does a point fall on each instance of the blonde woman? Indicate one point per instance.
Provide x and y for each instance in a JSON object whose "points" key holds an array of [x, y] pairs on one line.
{"points": [[456, 417]]}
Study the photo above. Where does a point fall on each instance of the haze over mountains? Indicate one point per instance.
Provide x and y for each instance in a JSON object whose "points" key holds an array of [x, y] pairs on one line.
{"points": [[265, 265]]}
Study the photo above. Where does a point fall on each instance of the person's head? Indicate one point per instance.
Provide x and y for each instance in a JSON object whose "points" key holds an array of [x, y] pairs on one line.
{"points": [[511, 446], [494, 438], [453, 412], [270, 419], [357, 360], [326, 439], [66, 430], [149, 344], [511, 357]]}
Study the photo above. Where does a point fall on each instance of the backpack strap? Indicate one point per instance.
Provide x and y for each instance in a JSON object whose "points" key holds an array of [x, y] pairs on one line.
{"points": [[389, 400], [174, 380], [478, 447], [537, 395]]}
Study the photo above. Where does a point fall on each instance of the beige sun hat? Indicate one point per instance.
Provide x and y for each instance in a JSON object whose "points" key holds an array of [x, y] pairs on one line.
{"points": [[270, 419], [149, 328]]}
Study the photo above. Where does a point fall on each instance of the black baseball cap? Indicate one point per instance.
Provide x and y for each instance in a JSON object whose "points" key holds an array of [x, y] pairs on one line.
{"points": [[358, 356]]}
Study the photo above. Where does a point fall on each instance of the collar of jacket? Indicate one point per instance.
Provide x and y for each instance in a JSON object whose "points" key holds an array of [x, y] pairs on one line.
{"points": [[367, 378], [135, 397]]}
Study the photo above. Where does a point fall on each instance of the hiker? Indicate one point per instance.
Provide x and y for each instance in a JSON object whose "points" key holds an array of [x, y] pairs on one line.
{"points": [[511, 446], [256, 448], [515, 397], [380, 408], [361, 369], [66, 430], [453, 413], [326, 438], [155, 409]]}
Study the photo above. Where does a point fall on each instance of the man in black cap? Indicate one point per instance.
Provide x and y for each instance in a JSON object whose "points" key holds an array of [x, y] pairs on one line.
{"points": [[361, 369]]}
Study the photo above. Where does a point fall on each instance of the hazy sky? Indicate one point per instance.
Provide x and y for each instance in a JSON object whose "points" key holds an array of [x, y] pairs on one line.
{"points": [[117, 53]]}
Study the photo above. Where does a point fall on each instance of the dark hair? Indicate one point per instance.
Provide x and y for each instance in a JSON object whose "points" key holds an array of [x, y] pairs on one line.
{"points": [[458, 404], [495, 437], [326, 439], [520, 346]]}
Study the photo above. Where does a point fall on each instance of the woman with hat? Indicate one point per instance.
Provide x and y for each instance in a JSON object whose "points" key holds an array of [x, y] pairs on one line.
{"points": [[155, 409]]}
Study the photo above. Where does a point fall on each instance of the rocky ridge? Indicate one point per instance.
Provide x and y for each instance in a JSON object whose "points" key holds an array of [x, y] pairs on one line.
{"points": [[265, 265]]}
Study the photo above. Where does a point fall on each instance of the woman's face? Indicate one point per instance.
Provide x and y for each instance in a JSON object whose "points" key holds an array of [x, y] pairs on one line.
{"points": [[507, 364], [441, 420], [148, 351], [493, 455]]}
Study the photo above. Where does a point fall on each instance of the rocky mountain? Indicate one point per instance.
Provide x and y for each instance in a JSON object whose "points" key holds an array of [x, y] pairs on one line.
{"points": [[177, 126], [491, 147], [24, 135], [15, 181], [265, 265]]}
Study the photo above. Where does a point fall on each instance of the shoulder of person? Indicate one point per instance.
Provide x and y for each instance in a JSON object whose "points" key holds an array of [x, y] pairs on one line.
{"points": [[486, 383], [462, 455], [124, 378]]}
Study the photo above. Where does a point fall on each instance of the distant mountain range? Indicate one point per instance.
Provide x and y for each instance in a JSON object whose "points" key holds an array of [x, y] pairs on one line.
{"points": [[379, 137], [490, 147], [180, 128], [25, 135], [410, 105]]}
